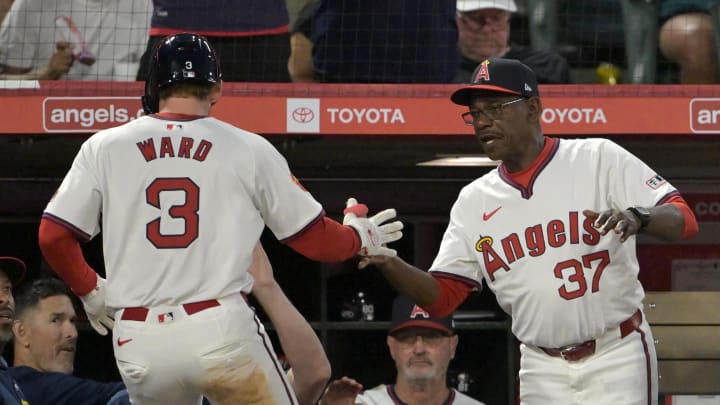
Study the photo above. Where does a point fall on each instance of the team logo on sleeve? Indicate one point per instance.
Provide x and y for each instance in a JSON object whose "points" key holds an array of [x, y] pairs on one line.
{"points": [[655, 182]]}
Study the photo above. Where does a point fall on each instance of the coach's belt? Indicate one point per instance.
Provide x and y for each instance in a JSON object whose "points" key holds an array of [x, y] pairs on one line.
{"points": [[140, 313], [579, 351]]}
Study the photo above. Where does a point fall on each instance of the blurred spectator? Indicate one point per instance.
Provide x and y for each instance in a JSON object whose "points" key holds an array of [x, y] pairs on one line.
{"points": [[484, 32], [107, 37], [300, 63], [381, 41], [251, 37], [45, 343], [60, 62], [687, 37], [4, 8], [12, 271], [422, 348]]}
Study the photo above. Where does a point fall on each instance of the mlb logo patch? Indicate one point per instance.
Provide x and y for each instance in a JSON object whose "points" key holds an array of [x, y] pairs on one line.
{"points": [[173, 127], [166, 317], [655, 181]]}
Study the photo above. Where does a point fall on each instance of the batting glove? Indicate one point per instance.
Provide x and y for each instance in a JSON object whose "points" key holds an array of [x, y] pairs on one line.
{"points": [[98, 314], [373, 236]]}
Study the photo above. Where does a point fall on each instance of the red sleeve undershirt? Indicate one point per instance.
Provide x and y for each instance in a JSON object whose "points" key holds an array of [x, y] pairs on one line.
{"points": [[690, 226], [63, 253], [327, 241], [451, 293]]}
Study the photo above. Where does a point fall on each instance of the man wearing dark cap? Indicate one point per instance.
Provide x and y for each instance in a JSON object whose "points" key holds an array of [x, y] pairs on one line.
{"points": [[484, 32], [552, 232], [12, 271], [422, 347]]}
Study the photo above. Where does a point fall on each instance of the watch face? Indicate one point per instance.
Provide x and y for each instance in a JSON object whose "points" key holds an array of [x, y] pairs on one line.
{"points": [[643, 214]]}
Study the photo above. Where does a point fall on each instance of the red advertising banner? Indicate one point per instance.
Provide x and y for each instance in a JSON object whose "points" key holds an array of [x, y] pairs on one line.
{"points": [[705, 206], [86, 107]]}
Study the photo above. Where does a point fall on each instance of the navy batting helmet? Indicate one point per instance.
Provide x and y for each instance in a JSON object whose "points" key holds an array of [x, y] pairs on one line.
{"points": [[184, 57]]}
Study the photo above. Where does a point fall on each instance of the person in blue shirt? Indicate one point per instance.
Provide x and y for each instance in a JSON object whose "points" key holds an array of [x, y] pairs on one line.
{"points": [[12, 271], [46, 339], [45, 344]]}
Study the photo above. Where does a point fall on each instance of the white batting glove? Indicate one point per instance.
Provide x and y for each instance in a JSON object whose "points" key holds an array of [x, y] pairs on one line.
{"points": [[373, 236], [98, 314]]}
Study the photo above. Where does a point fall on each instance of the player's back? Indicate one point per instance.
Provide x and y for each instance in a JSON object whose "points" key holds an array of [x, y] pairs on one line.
{"points": [[183, 206]]}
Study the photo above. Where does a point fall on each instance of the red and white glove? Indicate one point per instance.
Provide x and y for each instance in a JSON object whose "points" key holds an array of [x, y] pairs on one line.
{"points": [[100, 317], [373, 236]]}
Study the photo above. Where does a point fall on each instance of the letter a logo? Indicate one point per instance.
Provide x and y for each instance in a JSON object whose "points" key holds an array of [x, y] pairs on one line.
{"points": [[482, 72], [417, 311]]}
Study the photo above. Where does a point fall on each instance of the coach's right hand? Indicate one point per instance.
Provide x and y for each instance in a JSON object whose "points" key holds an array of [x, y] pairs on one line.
{"points": [[373, 236], [98, 314]]}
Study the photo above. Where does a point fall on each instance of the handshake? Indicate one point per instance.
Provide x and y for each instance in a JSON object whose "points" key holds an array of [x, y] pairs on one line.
{"points": [[373, 235]]}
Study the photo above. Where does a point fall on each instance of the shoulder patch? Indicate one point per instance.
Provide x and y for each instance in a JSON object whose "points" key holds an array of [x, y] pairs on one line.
{"points": [[655, 182]]}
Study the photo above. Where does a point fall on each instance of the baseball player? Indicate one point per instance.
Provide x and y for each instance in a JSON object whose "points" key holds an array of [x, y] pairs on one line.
{"points": [[182, 199], [422, 347], [552, 233]]}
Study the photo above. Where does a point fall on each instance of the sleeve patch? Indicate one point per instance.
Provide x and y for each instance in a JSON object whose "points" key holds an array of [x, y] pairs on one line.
{"points": [[655, 182]]}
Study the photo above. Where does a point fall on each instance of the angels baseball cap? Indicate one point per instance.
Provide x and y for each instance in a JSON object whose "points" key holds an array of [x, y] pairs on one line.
{"points": [[14, 268], [406, 313], [472, 5], [497, 75]]}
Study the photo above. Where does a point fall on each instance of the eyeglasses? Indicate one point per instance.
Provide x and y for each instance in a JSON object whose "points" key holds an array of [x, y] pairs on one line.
{"points": [[493, 112]]}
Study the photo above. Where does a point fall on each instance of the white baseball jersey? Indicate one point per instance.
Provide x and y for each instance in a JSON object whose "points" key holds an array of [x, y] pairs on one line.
{"points": [[181, 204], [114, 32], [385, 395], [549, 268]]}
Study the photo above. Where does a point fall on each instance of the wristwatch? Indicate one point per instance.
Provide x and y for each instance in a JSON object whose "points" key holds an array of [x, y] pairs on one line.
{"points": [[643, 214]]}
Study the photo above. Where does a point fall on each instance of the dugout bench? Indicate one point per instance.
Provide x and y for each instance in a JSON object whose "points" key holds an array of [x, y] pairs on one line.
{"points": [[686, 328]]}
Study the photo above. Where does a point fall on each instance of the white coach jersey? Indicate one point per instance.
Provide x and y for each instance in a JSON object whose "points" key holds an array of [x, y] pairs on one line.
{"points": [[385, 395], [181, 204], [550, 269]]}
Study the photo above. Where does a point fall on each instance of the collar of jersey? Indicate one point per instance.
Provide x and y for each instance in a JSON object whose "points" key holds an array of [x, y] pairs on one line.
{"points": [[177, 117], [525, 179], [393, 395]]}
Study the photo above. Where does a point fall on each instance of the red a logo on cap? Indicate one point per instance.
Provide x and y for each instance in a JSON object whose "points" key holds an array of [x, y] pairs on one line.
{"points": [[418, 311], [483, 72]]}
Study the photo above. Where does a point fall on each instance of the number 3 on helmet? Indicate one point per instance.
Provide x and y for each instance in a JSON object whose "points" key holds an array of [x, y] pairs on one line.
{"points": [[183, 57]]}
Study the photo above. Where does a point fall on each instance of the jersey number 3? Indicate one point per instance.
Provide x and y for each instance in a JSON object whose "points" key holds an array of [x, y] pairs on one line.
{"points": [[188, 212], [572, 273]]}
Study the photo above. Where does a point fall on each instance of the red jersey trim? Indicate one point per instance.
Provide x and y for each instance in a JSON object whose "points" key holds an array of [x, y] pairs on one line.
{"points": [[270, 31], [310, 224], [454, 277], [77, 232], [453, 290], [671, 197], [168, 116], [524, 180]]}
